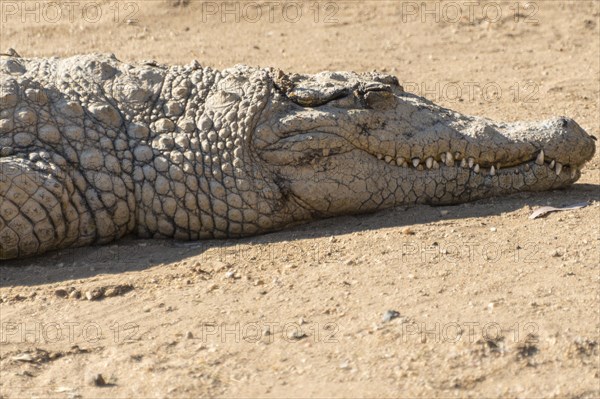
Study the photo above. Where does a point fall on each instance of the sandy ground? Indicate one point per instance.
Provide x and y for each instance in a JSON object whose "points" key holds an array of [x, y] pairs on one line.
{"points": [[490, 303]]}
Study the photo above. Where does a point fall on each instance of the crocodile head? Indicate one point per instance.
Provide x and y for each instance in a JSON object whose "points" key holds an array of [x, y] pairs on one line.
{"points": [[348, 143]]}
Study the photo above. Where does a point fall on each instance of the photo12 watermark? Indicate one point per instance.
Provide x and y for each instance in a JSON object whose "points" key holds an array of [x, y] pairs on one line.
{"points": [[269, 11], [452, 12], [468, 252], [72, 332], [481, 92], [53, 12], [469, 332], [268, 331]]}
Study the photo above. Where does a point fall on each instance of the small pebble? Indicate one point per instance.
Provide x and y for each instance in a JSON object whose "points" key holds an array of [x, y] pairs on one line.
{"points": [[23, 357], [296, 335], [75, 294], [97, 380], [93, 295], [390, 315], [407, 231]]}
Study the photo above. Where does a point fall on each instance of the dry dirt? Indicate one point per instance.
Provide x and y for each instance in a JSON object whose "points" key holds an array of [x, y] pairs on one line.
{"points": [[490, 303]]}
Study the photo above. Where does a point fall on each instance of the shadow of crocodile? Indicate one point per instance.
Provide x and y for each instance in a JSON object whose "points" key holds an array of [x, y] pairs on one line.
{"points": [[131, 254]]}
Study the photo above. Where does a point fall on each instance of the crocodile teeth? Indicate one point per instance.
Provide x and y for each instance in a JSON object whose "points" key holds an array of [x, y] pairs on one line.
{"points": [[388, 159], [493, 171], [463, 163], [552, 164], [573, 173], [527, 167], [449, 159], [558, 168], [436, 165], [471, 162], [416, 162], [326, 152], [429, 162], [456, 155], [443, 157], [379, 156], [400, 161], [540, 158], [476, 168]]}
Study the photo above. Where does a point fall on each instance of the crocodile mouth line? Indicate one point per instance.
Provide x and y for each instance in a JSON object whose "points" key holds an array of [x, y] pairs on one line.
{"points": [[447, 160], [340, 145]]}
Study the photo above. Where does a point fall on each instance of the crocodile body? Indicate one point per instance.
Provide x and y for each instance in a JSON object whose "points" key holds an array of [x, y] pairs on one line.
{"points": [[92, 149]]}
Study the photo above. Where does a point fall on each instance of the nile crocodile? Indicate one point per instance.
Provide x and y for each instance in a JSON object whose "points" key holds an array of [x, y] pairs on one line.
{"points": [[92, 149]]}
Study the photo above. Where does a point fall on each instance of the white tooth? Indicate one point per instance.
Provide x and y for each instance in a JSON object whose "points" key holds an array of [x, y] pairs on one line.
{"points": [[379, 156], [449, 159], [558, 168], [400, 161], [436, 165], [456, 155], [463, 163], [443, 157], [388, 159], [429, 162], [325, 152], [493, 171], [552, 164], [540, 158], [527, 167], [405, 164], [476, 168], [416, 162], [573, 173], [471, 162]]}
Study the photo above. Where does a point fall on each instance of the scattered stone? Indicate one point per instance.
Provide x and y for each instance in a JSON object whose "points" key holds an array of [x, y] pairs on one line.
{"points": [[211, 288], [23, 357], [61, 293], [230, 274], [95, 294], [75, 294], [189, 335], [408, 231], [118, 290], [296, 335], [526, 349], [390, 315], [555, 253], [493, 229], [97, 380]]}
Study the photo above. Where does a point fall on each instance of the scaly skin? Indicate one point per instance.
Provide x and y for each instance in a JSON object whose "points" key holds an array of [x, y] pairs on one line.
{"points": [[92, 149]]}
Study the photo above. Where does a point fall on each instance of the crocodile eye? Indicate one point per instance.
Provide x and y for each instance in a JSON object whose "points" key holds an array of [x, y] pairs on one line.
{"points": [[308, 97]]}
